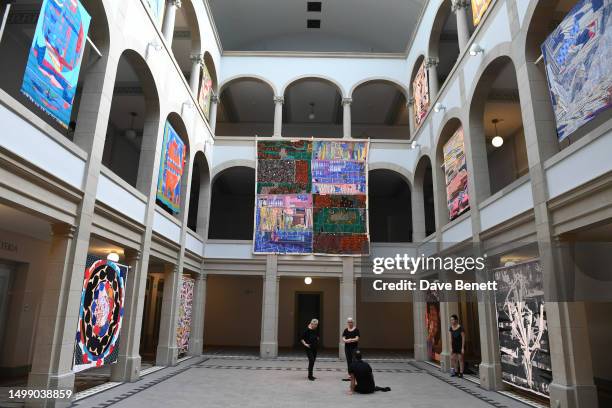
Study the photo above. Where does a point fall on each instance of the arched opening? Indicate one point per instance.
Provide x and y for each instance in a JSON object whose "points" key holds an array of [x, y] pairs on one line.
{"points": [[232, 204], [246, 108], [312, 108], [199, 196], [496, 127], [379, 111], [133, 123], [390, 207], [57, 100], [423, 188], [186, 38], [568, 119], [443, 44]]}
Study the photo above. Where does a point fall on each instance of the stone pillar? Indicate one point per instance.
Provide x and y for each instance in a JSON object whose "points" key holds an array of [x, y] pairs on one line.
{"points": [[411, 123], [463, 33], [432, 71], [167, 350], [449, 305], [420, 331], [347, 299], [196, 68], [269, 319], [212, 121], [346, 117], [57, 321], [418, 212], [127, 367], [278, 116], [196, 338], [169, 18]]}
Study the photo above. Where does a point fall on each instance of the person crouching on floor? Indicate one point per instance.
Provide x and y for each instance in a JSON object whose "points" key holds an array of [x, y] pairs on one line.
{"points": [[362, 379]]}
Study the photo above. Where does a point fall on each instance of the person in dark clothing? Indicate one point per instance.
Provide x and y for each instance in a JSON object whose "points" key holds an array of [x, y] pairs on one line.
{"points": [[457, 346], [350, 337], [362, 379], [310, 340]]}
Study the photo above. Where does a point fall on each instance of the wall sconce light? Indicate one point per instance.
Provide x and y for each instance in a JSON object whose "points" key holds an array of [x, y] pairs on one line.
{"points": [[113, 256], [414, 145], [476, 49], [308, 280], [438, 107], [311, 115]]}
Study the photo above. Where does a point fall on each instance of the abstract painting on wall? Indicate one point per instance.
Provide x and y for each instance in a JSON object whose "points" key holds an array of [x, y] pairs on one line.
{"points": [[479, 7], [577, 57], [183, 329], [433, 325], [100, 314], [456, 175], [522, 327], [420, 92], [311, 198], [171, 169], [205, 95], [54, 61]]}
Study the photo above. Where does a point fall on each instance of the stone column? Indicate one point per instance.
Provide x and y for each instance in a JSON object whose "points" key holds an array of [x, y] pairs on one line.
{"points": [[196, 338], [418, 212], [346, 117], [167, 350], [127, 367], [212, 121], [278, 115], [196, 68], [420, 331], [269, 319], [432, 71], [169, 18], [463, 33], [347, 299], [411, 123], [448, 306], [57, 321]]}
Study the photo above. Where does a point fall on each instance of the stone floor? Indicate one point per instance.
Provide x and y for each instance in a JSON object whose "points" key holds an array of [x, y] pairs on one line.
{"points": [[218, 381]]}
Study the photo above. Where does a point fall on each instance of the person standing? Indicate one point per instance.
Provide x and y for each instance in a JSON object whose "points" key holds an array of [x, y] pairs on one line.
{"points": [[350, 337], [310, 340], [457, 346]]}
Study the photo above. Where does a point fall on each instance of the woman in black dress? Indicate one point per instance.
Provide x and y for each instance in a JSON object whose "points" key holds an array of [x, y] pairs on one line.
{"points": [[457, 346], [310, 340], [350, 337]]}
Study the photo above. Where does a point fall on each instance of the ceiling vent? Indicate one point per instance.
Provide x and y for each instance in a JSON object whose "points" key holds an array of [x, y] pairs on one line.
{"points": [[314, 6], [313, 23]]}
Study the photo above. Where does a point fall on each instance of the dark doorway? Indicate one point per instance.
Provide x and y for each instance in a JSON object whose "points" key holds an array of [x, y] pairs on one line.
{"points": [[308, 307]]}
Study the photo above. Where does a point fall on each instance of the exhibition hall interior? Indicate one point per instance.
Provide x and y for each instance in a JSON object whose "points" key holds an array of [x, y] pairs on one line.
{"points": [[186, 184]]}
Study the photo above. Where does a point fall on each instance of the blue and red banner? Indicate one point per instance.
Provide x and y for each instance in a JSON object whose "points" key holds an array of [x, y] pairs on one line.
{"points": [[52, 71], [171, 169]]}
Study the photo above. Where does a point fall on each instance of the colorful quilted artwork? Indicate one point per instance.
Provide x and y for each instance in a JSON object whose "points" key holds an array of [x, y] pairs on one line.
{"points": [[54, 62], [455, 170], [479, 7], [577, 57], [420, 92], [433, 325], [311, 198], [183, 329], [171, 169], [157, 8], [206, 91], [100, 314]]}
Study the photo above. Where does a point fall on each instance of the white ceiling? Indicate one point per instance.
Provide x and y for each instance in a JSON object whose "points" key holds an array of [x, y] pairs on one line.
{"points": [[346, 25]]}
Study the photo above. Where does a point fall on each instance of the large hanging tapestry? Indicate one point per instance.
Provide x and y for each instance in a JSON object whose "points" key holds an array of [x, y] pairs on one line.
{"points": [[54, 62], [523, 332], [479, 7], [100, 314], [420, 92], [183, 329], [455, 170], [577, 56], [433, 325], [205, 94], [311, 198], [171, 169]]}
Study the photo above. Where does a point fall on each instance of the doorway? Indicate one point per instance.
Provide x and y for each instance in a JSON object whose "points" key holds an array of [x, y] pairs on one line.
{"points": [[308, 306]]}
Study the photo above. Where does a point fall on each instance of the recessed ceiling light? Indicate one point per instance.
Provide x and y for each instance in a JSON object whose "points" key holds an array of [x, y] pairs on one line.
{"points": [[313, 23]]}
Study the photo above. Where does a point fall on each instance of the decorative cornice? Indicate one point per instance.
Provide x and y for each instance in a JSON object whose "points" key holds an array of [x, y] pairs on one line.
{"points": [[459, 4], [432, 62], [199, 58], [347, 101], [279, 99], [63, 230], [214, 98], [175, 3]]}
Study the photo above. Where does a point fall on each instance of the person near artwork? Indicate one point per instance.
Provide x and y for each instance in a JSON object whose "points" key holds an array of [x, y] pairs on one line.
{"points": [[362, 379], [457, 346], [310, 340], [350, 338]]}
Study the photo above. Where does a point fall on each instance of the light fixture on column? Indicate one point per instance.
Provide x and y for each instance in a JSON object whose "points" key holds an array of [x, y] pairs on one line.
{"points": [[414, 145], [308, 280], [311, 115], [131, 134], [113, 256], [476, 49], [438, 107], [497, 140]]}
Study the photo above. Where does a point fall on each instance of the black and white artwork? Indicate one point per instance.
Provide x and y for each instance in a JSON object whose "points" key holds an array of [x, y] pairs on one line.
{"points": [[521, 322]]}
